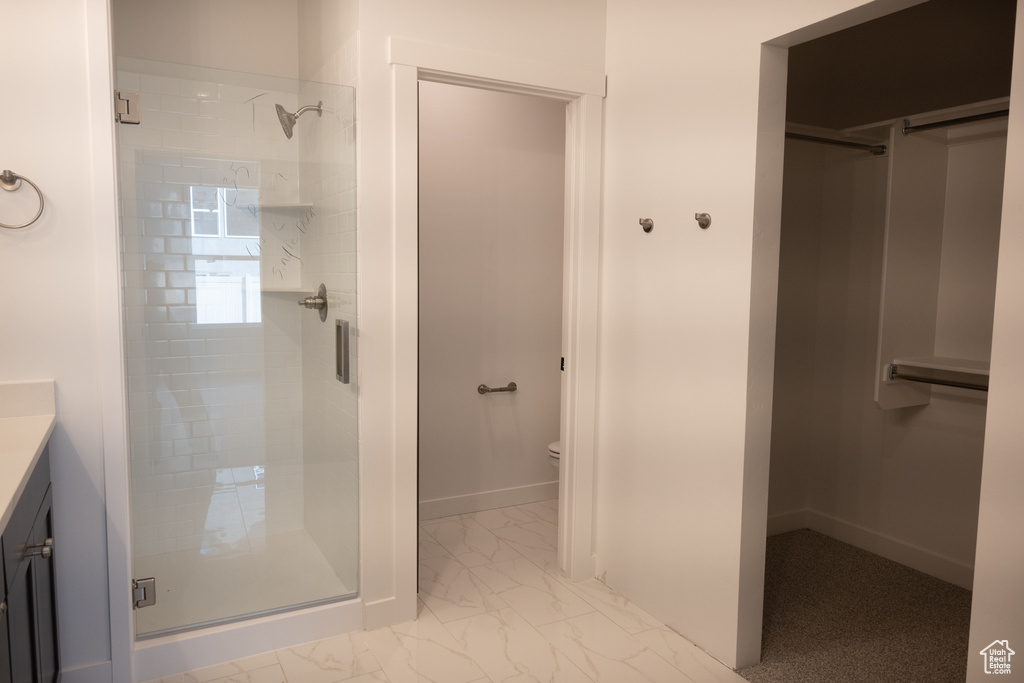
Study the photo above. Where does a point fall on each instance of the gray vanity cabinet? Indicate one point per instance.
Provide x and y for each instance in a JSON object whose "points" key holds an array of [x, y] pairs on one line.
{"points": [[31, 618], [5, 652]]}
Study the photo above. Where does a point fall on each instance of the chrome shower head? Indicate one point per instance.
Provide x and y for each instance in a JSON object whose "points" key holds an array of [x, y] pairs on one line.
{"points": [[288, 119]]}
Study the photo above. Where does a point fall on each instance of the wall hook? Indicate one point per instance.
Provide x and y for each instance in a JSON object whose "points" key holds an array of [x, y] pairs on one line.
{"points": [[647, 224], [703, 220]]}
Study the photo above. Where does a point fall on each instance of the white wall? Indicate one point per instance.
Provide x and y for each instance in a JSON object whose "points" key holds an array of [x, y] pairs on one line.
{"points": [[567, 35], [491, 214], [902, 483], [970, 242], [677, 319], [311, 39], [50, 279], [998, 580], [329, 40], [799, 254], [252, 37]]}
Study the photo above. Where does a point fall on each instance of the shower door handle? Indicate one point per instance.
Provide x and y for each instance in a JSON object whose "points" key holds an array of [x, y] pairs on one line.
{"points": [[341, 351]]}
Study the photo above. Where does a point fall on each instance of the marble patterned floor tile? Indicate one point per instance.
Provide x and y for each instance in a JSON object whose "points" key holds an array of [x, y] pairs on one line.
{"points": [[440, 520], [451, 591], [687, 657], [421, 651], [536, 595], [375, 677], [471, 543], [224, 671], [510, 649], [503, 553], [537, 541], [494, 519], [328, 661], [613, 605], [543, 511], [269, 674], [475, 622], [607, 653], [428, 547]]}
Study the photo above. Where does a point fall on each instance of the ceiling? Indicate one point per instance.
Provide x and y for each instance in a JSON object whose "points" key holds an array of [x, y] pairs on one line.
{"points": [[936, 55]]}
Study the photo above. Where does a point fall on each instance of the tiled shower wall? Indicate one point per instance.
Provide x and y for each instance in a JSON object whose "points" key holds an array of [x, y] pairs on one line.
{"points": [[219, 404]]}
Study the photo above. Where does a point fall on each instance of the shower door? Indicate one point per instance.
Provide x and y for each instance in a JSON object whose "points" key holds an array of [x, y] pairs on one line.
{"points": [[243, 443]]}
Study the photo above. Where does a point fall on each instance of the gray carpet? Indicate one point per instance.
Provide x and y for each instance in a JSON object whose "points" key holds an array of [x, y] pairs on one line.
{"points": [[836, 613]]}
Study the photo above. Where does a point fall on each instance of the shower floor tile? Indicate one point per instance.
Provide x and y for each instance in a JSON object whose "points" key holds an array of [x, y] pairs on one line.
{"points": [[515, 619], [227, 580]]}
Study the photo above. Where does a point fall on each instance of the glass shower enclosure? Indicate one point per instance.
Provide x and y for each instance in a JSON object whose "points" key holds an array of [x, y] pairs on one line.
{"points": [[242, 428]]}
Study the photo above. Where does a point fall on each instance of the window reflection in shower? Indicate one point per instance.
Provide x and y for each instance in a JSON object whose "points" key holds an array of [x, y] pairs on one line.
{"points": [[243, 450]]}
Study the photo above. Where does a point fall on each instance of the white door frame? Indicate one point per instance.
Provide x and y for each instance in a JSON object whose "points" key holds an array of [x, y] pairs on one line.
{"points": [[583, 94]]}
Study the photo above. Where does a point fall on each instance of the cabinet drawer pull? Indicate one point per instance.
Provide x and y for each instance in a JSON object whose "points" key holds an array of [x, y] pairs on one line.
{"points": [[44, 549], [3, 608]]}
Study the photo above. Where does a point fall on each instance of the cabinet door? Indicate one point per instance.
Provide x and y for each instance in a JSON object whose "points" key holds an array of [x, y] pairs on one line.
{"points": [[32, 609], [45, 607], [21, 625], [5, 653]]}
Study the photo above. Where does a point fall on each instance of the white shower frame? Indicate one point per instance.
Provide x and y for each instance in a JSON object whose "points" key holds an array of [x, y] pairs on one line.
{"points": [[583, 93]]}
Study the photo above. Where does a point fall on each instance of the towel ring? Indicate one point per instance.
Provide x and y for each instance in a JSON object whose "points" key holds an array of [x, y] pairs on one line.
{"points": [[11, 181]]}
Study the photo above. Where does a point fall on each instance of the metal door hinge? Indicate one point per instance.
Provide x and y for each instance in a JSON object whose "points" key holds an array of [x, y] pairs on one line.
{"points": [[126, 107], [144, 592]]}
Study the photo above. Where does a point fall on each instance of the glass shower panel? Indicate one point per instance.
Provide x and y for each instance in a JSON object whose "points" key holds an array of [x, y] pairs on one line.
{"points": [[243, 444]]}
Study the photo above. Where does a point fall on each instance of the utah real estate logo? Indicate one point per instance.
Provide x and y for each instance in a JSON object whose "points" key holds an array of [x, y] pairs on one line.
{"points": [[997, 657]]}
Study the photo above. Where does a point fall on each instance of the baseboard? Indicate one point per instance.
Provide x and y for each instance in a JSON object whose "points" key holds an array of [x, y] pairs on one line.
{"points": [[97, 672], [916, 557], [380, 613], [784, 522], [183, 652], [487, 500]]}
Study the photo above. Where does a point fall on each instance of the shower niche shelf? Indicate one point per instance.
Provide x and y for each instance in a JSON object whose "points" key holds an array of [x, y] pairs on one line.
{"points": [[284, 289], [285, 207], [282, 225]]}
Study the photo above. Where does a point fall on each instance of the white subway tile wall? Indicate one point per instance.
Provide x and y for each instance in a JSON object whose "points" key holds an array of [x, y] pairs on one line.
{"points": [[240, 433]]}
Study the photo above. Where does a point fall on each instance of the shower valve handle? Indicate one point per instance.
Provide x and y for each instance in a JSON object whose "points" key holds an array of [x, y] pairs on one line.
{"points": [[313, 302], [317, 302]]}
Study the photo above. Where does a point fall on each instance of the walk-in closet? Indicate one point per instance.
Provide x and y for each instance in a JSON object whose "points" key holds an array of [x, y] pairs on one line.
{"points": [[887, 276]]}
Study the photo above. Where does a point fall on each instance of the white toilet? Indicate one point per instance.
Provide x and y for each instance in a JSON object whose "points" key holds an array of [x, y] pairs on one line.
{"points": [[554, 453]]}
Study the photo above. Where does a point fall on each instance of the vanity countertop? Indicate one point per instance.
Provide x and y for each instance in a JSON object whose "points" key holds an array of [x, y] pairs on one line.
{"points": [[27, 418]]}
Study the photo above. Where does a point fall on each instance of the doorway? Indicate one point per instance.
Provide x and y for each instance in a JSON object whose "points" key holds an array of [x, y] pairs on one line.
{"points": [[491, 234], [582, 94], [899, 480]]}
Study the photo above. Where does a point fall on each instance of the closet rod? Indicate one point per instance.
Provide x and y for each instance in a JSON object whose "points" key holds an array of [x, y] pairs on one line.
{"points": [[908, 129], [893, 374], [877, 150]]}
